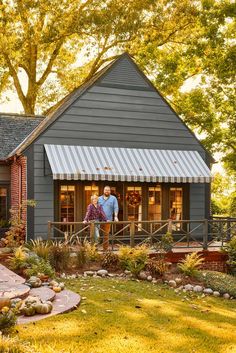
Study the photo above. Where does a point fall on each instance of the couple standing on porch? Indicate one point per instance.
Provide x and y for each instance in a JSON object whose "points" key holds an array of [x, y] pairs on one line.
{"points": [[102, 209]]}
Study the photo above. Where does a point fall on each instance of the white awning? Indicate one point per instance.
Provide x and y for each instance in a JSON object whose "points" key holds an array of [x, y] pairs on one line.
{"points": [[126, 164]]}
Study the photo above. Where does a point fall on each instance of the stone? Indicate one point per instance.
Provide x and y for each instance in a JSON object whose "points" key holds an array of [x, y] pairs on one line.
{"points": [[197, 288], [208, 291], [149, 278], [216, 294], [172, 283], [178, 280], [154, 281], [188, 287], [102, 273], [111, 275], [127, 272], [226, 296], [142, 275], [88, 273]]}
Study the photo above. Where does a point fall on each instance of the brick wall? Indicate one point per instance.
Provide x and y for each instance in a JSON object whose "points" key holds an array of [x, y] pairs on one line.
{"points": [[213, 260], [19, 185]]}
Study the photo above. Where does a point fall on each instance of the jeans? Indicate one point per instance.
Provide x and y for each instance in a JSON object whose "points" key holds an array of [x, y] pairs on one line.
{"points": [[96, 231]]}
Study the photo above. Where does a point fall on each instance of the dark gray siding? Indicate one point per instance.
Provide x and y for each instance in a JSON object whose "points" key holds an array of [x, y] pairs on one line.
{"points": [[114, 116], [5, 173]]}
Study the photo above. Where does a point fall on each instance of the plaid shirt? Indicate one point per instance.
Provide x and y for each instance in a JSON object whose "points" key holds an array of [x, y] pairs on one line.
{"points": [[95, 213]]}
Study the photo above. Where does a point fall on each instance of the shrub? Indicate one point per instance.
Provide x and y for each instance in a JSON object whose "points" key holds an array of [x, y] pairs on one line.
{"points": [[19, 259], [59, 256], [40, 267], [133, 259], [218, 281], [40, 248], [190, 264], [166, 242], [91, 251], [230, 248], [7, 320], [109, 259], [157, 267], [81, 258]]}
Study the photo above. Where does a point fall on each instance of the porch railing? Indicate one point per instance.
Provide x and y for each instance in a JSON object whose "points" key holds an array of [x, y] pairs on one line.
{"points": [[199, 234]]}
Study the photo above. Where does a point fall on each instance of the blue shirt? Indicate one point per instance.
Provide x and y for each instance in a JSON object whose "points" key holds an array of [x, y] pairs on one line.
{"points": [[109, 205]]}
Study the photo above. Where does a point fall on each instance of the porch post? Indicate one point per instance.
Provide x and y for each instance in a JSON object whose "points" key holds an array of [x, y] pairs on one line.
{"points": [[49, 230], [205, 234], [92, 232], [132, 233]]}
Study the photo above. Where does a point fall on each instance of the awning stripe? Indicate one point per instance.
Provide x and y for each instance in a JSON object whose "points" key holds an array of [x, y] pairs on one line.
{"points": [[126, 164]]}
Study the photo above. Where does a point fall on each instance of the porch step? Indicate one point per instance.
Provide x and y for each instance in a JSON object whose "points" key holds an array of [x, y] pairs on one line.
{"points": [[44, 293], [12, 290], [64, 302]]}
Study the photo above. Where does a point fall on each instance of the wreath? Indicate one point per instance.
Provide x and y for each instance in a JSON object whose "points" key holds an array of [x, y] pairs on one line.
{"points": [[134, 198]]}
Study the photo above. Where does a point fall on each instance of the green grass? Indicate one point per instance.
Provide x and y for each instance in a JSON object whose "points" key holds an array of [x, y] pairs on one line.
{"points": [[145, 318]]}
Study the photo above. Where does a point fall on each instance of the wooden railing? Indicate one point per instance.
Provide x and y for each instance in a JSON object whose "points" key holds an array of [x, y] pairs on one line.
{"points": [[186, 233]]}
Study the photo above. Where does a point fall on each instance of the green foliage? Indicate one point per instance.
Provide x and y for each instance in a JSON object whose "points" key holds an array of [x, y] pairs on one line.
{"points": [[91, 251], [190, 264], [59, 256], [40, 248], [7, 320], [166, 242], [133, 259], [40, 267], [218, 281], [19, 259], [110, 259], [230, 248]]}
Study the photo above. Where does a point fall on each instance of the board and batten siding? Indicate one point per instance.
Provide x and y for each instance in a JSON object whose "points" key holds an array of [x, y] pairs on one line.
{"points": [[120, 110]]}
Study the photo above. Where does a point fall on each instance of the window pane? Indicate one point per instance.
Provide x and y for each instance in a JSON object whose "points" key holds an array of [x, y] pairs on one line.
{"points": [[134, 203], [176, 206], [3, 203], [67, 203], [154, 203], [90, 190]]}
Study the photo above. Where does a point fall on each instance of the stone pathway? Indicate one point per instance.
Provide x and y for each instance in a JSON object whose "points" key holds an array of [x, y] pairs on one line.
{"points": [[12, 286]]}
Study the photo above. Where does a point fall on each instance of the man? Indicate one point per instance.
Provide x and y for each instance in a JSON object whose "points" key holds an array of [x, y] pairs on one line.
{"points": [[110, 207]]}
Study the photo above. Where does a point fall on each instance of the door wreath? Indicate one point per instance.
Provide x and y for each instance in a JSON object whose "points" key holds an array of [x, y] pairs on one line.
{"points": [[133, 198]]}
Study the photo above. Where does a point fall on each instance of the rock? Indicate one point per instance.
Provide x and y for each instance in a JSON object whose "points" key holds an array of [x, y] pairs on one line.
{"points": [[88, 273], [172, 283], [188, 287], [180, 287], [208, 291], [149, 278], [127, 272], [216, 294], [102, 273], [142, 275], [178, 280], [111, 275], [226, 296], [197, 288], [154, 281]]}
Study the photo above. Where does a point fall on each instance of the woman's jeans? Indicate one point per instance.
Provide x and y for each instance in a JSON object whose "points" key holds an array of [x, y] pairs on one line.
{"points": [[96, 231]]}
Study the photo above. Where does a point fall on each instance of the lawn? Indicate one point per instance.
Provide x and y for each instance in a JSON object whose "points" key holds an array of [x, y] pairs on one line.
{"points": [[141, 317]]}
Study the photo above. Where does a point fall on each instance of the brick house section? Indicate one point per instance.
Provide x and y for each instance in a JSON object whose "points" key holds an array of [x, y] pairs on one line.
{"points": [[19, 185]]}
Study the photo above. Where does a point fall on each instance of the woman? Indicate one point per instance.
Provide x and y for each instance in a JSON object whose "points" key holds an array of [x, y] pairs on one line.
{"points": [[95, 213]]}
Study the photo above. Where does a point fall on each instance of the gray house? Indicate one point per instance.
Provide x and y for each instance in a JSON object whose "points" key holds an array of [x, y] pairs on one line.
{"points": [[117, 130]]}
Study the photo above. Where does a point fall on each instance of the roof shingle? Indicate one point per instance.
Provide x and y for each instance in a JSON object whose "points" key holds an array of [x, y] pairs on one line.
{"points": [[14, 128]]}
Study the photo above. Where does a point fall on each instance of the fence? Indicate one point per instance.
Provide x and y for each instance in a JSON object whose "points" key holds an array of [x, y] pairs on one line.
{"points": [[202, 234]]}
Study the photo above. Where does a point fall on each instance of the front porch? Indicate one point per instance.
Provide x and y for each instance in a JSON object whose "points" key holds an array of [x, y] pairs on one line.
{"points": [[188, 235]]}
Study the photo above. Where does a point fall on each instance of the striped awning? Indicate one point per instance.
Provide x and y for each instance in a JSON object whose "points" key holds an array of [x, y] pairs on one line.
{"points": [[126, 164]]}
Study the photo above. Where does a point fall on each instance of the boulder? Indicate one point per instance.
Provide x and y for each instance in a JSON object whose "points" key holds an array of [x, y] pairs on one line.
{"points": [[88, 273], [208, 291], [226, 296], [172, 283], [197, 289], [142, 275], [102, 273], [149, 278], [178, 280], [188, 287], [216, 294]]}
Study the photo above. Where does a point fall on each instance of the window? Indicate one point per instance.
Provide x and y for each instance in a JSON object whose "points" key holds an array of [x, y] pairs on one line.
{"points": [[134, 203], [176, 205], [3, 204], [67, 203], [154, 203], [90, 190]]}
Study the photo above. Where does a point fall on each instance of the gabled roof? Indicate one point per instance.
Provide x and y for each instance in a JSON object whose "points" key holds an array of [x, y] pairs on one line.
{"points": [[14, 128], [66, 102]]}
